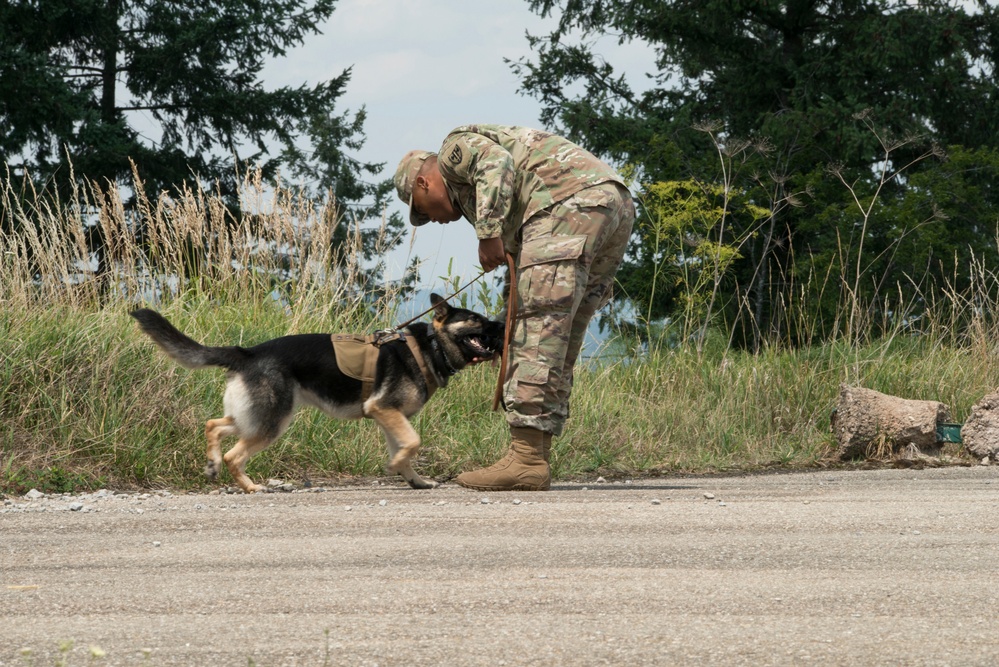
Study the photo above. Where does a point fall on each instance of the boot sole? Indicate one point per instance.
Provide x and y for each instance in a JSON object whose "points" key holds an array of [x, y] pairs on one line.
{"points": [[515, 487]]}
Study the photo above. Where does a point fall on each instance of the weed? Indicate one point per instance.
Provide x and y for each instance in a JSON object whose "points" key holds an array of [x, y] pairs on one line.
{"points": [[86, 401]]}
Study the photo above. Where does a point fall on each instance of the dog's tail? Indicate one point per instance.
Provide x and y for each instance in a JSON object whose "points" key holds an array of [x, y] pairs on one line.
{"points": [[185, 351]]}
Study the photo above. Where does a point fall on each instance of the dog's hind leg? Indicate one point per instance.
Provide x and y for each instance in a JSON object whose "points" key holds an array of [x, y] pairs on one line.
{"points": [[403, 443], [215, 430], [236, 458], [261, 404]]}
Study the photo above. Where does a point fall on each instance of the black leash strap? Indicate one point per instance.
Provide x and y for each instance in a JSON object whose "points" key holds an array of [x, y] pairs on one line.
{"points": [[447, 298]]}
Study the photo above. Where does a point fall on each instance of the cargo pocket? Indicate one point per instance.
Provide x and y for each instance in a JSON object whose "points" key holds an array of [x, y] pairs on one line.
{"points": [[549, 273], [527, 391]]}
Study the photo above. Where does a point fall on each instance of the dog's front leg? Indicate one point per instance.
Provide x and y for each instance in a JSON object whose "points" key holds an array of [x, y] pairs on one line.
{"points": [[403, 443]]}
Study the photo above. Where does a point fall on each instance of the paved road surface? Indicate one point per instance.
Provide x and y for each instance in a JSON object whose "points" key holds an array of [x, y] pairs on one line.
{"points": [[891, 567]]}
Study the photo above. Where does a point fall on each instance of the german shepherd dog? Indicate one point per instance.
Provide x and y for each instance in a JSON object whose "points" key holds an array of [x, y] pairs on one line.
{"points": [[266, 383]]}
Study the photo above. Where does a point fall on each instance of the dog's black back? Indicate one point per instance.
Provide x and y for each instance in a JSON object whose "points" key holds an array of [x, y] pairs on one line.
{"points": [[309, 360]]}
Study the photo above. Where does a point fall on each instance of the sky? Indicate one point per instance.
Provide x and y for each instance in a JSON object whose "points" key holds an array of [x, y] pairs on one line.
{"points": [[420, 69]]}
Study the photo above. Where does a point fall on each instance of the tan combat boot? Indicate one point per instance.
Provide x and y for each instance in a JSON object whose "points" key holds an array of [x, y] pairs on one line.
{"points": [[524, 468]]}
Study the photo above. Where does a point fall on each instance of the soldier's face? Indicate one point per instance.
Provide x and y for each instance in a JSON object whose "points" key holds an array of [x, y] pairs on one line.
{"points": [[430, 198]]}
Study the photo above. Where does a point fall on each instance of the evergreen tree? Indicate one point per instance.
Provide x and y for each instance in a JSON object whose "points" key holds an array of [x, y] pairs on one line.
{"points": [[90, 86], [804, 102]]}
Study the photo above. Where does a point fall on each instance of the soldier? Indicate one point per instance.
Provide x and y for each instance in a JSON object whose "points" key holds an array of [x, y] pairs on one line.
{"points": [[566, 218]]}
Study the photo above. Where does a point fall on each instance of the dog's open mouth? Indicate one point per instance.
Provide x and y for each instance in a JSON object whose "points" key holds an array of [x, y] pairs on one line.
{"points": [[484, 347]]}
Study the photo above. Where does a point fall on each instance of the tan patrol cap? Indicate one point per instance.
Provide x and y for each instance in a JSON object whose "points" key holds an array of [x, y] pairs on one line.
{"points": [[405, 177]]}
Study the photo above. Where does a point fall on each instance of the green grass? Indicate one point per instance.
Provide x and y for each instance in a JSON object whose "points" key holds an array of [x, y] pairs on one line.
{"points": [[87, 401]]}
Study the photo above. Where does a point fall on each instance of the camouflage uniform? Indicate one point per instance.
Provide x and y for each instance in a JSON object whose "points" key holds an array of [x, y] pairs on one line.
{"points": [[566, 217]]}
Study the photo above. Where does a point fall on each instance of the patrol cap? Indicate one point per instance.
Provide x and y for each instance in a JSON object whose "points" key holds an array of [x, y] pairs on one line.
{"points": [[405, 177]]}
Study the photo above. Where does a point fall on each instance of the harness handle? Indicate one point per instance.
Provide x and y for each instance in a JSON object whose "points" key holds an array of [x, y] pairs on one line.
{"points": [[511, 319]]}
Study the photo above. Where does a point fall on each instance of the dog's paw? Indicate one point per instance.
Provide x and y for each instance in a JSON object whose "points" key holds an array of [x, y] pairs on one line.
{"points": [[400, 462], [212, 470], [418, 482]]}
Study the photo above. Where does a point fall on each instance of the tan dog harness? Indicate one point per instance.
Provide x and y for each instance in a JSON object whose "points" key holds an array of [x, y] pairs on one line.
{"points": [[357, 356]]}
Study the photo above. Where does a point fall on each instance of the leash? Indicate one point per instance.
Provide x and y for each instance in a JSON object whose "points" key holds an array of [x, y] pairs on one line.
{"points": [[447, 298], [511, 319]]}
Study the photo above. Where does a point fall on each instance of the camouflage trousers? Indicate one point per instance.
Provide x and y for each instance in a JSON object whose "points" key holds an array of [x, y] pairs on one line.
{"points": [[566, 263]]}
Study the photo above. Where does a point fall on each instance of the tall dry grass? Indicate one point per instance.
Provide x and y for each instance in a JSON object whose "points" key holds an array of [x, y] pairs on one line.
{"points": [[83, 395], [87, 401]]}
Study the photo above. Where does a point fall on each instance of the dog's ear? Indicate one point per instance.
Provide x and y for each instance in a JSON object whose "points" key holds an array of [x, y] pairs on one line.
{"points": [[441, 309]]}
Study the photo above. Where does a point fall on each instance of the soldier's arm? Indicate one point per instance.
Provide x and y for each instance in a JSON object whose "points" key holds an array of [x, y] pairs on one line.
{"points": [[475, 160]]}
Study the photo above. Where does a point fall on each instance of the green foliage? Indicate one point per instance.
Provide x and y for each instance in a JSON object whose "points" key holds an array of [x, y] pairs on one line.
{"points": [[87, 401], [694, 233], [91, 403], [192, 67], [949, 216], [793, 72], [52, 479], [828, 114]]}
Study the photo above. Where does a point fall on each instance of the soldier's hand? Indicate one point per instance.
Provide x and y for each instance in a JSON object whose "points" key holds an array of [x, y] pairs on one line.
{"points": [[491, 253]]}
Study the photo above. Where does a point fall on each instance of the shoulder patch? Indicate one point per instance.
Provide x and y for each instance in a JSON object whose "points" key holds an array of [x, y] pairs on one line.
{"points": [[455, 156]]}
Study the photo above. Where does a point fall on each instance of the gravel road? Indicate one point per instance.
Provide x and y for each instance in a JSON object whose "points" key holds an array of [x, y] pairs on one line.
{"points": [[884, 567]]}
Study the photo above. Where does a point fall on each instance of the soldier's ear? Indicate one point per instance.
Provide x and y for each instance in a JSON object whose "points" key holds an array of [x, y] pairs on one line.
{"points": [[441, 309]]}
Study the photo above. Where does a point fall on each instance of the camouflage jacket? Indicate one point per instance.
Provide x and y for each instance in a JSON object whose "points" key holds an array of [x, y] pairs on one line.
{"points": [[499, 176]]}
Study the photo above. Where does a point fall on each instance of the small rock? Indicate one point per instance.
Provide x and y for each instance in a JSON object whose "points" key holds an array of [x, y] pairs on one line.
{"points": [[601, 480], [157, 544], [484, 501], [75, 507], [516, 501], [709, 496], [383, 503], [656, 501], [273, 483], [34, 494]]}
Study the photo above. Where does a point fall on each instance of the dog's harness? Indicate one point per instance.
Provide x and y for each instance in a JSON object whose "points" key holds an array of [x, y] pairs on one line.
{"points": [[357, 356]]}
